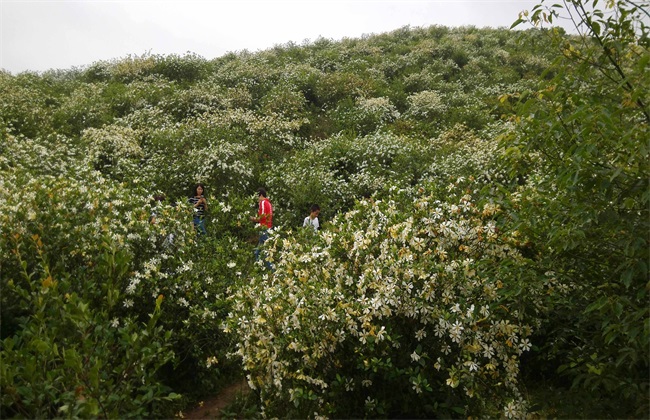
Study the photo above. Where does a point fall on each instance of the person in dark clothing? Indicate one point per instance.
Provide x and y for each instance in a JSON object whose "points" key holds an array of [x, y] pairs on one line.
{"points": [[200, 206]]}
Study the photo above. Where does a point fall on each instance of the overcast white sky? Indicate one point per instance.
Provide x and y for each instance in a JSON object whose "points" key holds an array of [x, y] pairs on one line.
{"points": [[39, 35]]}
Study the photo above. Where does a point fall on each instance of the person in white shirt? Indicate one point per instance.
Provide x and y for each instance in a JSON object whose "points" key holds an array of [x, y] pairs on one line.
{"points": [[312, 219]]}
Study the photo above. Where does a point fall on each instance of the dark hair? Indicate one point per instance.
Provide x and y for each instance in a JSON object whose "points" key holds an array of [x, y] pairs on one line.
{"points": [[262, 192], [196, 187], [314, 207]]}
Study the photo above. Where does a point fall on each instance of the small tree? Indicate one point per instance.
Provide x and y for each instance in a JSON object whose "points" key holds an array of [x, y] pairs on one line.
{"points": [[586, 203]]}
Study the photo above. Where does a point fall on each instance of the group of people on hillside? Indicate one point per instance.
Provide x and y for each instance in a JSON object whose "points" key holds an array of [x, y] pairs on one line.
{"points": [[264, 215]]}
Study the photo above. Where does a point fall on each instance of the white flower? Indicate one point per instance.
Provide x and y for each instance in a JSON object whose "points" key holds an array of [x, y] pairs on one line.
{"points": [[510, 411], [472, 365], [420, 334], [452, 381], [488, 351], [455, 332], [415, 356], [231, 264]]}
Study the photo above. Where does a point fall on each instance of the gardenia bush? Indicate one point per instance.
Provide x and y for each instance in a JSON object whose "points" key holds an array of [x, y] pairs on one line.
{"points": [[337, 171], [98, 295], [401, 307], [483, 251], [68, 246]]}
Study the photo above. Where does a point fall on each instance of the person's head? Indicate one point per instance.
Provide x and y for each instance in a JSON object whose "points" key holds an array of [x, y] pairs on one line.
{"points": [[199, 189], [261, 193], [314, 210]]}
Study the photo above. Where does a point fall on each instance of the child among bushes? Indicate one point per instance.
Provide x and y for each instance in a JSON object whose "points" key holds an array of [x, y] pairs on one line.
{"points": [[312, 219]]}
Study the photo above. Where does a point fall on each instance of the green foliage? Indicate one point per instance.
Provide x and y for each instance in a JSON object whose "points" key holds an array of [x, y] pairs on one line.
{"points": [[483, 249], [24, 105], [71, 357], [335, 172], [586, 204], [364, 115], [84, 108], [414, 292]]}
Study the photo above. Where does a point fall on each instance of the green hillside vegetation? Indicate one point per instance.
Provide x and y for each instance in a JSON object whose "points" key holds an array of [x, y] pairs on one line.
{"points": [[484, 243]]}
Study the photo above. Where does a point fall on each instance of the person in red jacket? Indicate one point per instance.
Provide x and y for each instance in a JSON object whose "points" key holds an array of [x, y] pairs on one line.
{"points": [[265, 211], [265, 219]]}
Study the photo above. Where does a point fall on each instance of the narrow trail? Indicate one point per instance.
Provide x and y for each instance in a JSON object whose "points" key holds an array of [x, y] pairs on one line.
{"points": [[211, 408]]}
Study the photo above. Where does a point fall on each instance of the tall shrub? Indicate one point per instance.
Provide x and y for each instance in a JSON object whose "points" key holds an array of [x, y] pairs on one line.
{"points": [[583, 148]]}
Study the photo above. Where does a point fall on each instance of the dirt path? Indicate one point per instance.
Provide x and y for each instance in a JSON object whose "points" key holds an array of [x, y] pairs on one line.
{"points": [[211, 408]]}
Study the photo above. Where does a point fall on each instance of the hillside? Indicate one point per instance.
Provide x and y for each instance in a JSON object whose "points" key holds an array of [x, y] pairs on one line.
{"points": [[484, 212]]}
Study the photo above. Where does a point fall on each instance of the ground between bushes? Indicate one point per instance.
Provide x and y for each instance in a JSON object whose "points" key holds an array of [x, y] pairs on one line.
{"points": [[211, 408]]}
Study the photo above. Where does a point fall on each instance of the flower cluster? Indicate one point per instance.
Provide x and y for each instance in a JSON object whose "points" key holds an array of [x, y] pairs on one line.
{"points": [[426, 104], [464, 153], [114, 150], [388, 285]]}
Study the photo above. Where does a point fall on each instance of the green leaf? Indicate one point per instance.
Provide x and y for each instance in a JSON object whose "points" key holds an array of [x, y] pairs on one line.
{"points": [[595, 27], [72, 359], [517, 23], [172, 396]]}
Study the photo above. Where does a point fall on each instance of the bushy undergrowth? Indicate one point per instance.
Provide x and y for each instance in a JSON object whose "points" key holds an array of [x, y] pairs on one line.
{"points": [[107, 310], [484, 241], [421, 293], [337, 171]]}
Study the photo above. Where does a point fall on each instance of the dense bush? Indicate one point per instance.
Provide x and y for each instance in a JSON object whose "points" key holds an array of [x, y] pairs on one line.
{"points": [[484, 241], [585, 203], [335, 172], [404, 292]]}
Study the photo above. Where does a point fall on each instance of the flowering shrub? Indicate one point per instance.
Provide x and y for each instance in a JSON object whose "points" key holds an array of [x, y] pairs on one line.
{"points": [[83, 108], [132, 67], [71, 356], [22, 105], [142, 94], [582, 146], [336, 171], [463, 152], [205, 96], [69, 347], [45, 156], [426, 104], [365, 115], [335, 87], [113, 150], [195, 281], [284, 100], [93, 287], [406, 293]]}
